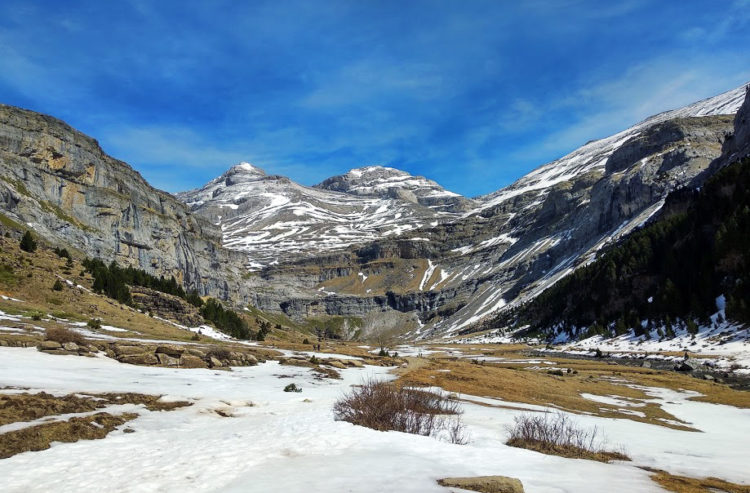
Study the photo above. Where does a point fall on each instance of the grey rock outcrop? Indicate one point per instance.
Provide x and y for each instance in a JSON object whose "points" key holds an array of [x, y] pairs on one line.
{"points": [[166, 306]]}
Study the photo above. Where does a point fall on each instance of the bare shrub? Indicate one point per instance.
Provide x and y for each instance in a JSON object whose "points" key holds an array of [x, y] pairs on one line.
{"points": [[63, 335], [385, 406], [557, 434]]}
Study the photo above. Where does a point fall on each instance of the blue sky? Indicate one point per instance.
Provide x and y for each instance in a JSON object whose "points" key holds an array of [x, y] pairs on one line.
{"points": [[472, 94]]}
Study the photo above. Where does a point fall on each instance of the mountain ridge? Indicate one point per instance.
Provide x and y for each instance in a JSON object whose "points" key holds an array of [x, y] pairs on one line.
{"points": [[264, 240]]}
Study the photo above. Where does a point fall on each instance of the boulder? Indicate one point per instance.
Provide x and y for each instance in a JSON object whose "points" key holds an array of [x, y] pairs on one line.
{"points": [[485, 484], [190, 361], [170, 350], [139, 359], [70, 346], [687, 366], [122, 350], [250, 360], [296, 362], [49, 345], [214, 363], [167, 360], [196, 352]]}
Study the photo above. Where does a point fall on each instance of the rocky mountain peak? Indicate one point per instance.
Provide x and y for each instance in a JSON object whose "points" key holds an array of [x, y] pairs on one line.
{"points": [[386, 182], [244, 167], [381, 181], [243, 172]]}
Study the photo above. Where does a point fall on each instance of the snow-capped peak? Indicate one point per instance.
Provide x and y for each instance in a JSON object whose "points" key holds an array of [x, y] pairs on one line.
{"points": [[375, 170], [245, 168], [383, 181]]}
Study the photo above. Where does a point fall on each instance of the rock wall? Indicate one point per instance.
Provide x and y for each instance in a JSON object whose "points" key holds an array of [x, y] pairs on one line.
{"points": [[61, 184]]}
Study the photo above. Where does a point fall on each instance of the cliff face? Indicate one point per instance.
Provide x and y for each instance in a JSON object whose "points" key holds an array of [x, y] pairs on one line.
{"points": [[62, 185], [737, 144]]}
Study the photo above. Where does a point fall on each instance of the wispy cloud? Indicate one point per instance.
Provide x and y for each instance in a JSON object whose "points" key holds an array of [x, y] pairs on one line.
{"points": [[643, 90]]}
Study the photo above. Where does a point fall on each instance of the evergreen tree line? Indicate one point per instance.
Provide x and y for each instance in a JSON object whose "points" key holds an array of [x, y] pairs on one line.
{"points": [[670, 270], [226, 321], [113, 281]]}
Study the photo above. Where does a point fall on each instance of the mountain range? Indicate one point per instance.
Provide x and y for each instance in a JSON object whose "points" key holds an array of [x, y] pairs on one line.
{"points": [[382, 249]]}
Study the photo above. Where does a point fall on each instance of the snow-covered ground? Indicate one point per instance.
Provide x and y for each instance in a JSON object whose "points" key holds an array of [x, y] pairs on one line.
{"points": [[721, 344], [277, 441]]}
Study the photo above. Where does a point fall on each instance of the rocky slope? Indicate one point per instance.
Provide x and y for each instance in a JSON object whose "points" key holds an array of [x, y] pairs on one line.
{"points": [[674, 274], [60, 183]]}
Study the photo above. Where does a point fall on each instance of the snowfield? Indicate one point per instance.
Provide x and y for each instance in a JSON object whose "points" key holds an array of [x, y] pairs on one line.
{"points": [[277, 441]]}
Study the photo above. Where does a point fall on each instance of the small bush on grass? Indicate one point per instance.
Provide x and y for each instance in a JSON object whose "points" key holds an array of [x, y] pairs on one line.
{"points": [[557, 434], [58, 286], [63, 335], [386, 406], [94, 324], [62, 252]]}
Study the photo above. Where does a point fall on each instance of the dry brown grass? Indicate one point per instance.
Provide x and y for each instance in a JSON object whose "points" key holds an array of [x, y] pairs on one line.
{"points": [[63, 335], [539, 388], [76, 304], [514, 383], [41, 436], [27, 407], [682, 484], [558, 434], [70, 303]]}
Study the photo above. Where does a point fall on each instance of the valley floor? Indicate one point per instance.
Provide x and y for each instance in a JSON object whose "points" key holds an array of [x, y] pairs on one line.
{"points": [[244, 433]]}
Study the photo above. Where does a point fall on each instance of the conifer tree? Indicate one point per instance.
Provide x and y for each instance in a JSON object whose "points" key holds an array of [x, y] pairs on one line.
{"points": [[28, 243]]}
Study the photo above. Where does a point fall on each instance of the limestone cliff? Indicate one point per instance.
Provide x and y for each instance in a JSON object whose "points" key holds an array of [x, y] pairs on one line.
{"points": [[60, 183]]}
